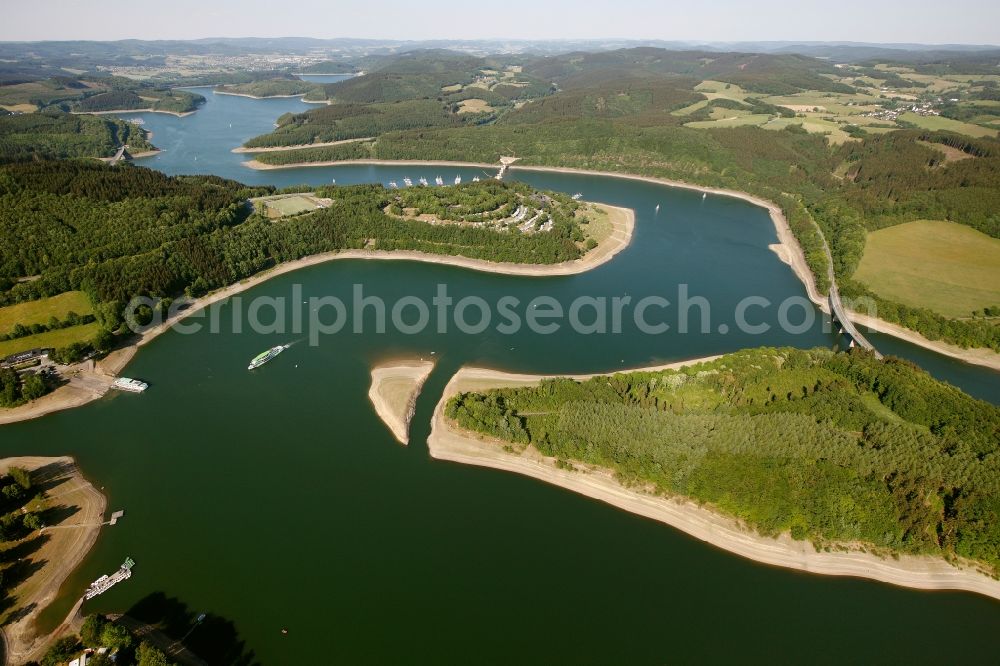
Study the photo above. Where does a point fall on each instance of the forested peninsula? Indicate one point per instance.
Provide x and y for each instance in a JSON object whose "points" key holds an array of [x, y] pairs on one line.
{"points": [[842, 450], [116, 232]]}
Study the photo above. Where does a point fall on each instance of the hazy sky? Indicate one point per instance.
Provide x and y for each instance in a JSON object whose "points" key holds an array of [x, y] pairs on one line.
{"points": [[924, 21]]}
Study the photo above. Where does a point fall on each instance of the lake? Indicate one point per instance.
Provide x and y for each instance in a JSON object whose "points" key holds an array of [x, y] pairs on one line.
{"points": [[277, 500]]}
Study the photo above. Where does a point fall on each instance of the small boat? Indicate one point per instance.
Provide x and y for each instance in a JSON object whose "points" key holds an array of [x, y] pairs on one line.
{"points": [[264, 357], [439, 181], [333, 180], [423, 181], [458, 180], [577, 196], [704, 195], [475, 179], [393, 184], [657, 208], [407, 182]]}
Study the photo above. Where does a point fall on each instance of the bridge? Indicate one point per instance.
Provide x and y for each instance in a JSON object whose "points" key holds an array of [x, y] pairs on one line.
{"points": [[121, 155], [837, 310], [847, 327]]}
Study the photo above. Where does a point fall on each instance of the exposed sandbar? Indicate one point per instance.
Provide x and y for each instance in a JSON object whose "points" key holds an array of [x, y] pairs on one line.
{"points": [[394, 390]]}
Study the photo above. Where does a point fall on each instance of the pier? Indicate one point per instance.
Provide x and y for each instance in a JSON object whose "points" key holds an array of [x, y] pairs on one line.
{"points": [[505, 162], [105, 583]]}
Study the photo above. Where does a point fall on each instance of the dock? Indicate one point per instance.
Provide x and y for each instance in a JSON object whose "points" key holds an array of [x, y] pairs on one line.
{"points": [[105, 583], [505, 162]]}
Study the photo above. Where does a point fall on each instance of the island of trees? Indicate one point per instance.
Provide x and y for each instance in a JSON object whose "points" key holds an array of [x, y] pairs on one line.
{"points": [[837, 448]]}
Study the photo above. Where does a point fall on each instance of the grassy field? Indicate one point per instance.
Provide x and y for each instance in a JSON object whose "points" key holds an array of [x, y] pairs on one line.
{"points": [[716, 89], [732, 119], [944, 266], [55, 339], [40, 311], [941, 123], [284, 205], [599, 227], [474, 106]]}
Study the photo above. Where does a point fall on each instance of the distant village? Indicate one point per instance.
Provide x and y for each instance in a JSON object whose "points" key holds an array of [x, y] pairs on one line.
{"points": [[921, 108]]}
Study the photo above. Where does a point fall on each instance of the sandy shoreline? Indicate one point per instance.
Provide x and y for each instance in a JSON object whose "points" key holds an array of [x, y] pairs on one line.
{"points": [[623, 226], [104, 113], [792, 254], [394, 391], [975, 355], [274, 149], [260, 166], [448, 442], [68, 543], [223, 92], [135, 156]]}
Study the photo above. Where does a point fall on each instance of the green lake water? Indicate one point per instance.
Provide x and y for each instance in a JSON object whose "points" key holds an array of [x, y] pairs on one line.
{"points": [[277, 500]]}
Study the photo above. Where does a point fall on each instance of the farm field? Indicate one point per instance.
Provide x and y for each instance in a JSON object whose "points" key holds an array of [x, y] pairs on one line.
{"points": [[716, 89], [947, 267], [474, 106], [731, 119], [941, 123], [40, 311], [55, 339]]}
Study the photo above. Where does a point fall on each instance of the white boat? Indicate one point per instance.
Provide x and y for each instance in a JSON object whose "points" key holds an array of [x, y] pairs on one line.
{"points": [[423, 181], [704, 195], [264, 357], [393, 184], [130, 385], [407, 182], [458, 180], [475, 179], [333, 180], [657, 208], [577, 196], [439, 181]]}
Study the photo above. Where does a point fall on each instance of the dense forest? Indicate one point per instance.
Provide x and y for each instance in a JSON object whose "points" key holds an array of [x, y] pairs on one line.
{"points": [[338, 122], [412, 91], [56, 134], [124, 231], [89, 93], [277, 87], [836, 448], [173, 101]]}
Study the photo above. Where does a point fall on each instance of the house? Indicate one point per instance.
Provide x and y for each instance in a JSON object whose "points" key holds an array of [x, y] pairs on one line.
{"points": [[24, 357]]}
